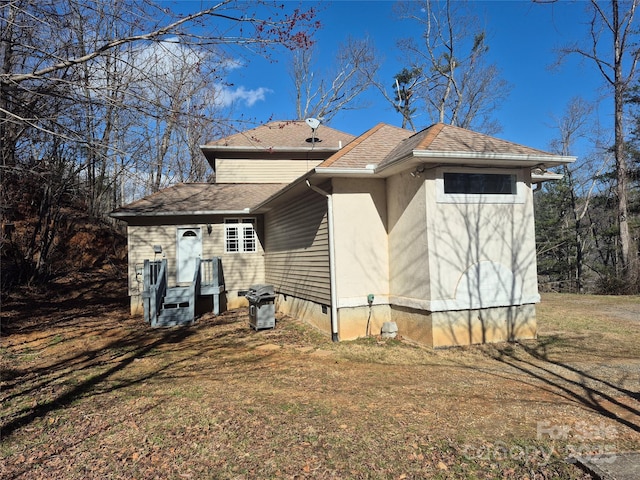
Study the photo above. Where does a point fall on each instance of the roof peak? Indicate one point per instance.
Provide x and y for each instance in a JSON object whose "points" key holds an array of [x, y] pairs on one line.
{"points": [[434, 130], [378, 141], [284, 134]]}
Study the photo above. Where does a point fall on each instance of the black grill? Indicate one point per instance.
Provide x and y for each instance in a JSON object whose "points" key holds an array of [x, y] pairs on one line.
{"points": [[262, 312], [259, 293]]}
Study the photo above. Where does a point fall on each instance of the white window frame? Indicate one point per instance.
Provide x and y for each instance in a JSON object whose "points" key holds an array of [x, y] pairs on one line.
{"points": [[244, 231], [517, 197]]}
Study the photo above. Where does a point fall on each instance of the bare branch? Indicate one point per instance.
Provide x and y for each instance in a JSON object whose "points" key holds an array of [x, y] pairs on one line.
{"points": [[457, 84], [338, 90]]}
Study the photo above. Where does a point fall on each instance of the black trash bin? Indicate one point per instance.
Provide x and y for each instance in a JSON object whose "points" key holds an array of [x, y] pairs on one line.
{"points": [[262, 310]]}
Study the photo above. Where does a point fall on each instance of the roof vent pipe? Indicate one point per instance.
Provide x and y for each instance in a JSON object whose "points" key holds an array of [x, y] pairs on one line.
{"points": [[332, 261]]}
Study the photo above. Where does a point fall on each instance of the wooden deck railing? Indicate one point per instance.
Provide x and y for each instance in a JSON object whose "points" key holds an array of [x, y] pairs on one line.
{"points": [[211, 273], [155, 288], [194, 289], [212, 281], [207, 280]]}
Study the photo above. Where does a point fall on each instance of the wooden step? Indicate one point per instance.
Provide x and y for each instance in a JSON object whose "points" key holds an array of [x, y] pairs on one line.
{"points": [[169, 317], [177, 295]]}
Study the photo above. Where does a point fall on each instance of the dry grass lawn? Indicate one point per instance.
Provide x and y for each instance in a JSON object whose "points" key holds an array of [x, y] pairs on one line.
{"points": [[88, 392]]}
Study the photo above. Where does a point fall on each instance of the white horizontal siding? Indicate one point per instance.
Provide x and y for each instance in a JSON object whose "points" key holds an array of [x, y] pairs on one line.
{"points": [[297, 249]]}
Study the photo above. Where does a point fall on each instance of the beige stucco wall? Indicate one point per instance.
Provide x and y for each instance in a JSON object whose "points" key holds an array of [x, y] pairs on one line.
{"points": [[361, 248], [458, 273], [408, 240], [356, 322], [481, 254], [240, 270]]}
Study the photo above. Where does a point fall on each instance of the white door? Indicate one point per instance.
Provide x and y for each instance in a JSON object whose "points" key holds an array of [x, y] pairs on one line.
{"points": [[189, 248]]}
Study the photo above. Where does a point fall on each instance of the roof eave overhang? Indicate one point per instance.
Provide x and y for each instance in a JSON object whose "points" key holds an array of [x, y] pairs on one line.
{"points": [[498, 159], [366, 172], [320, 173], [262, 148], [483, 159], [421, 156], [180, 213]]}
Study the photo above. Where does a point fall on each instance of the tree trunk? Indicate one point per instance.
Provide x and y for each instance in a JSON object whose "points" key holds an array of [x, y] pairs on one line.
{"points": [[628, 255]]}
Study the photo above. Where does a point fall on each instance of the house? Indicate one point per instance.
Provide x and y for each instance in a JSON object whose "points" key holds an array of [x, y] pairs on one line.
{"points": [[431, 230]]}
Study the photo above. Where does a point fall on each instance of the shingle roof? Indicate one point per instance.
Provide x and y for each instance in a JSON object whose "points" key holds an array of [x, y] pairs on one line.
{"points": [[285, 134], [369, 148], [448, 138], [200, 198]]}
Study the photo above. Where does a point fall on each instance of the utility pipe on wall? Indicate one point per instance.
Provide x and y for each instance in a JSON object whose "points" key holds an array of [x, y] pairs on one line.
{"points": [[332, 263]]}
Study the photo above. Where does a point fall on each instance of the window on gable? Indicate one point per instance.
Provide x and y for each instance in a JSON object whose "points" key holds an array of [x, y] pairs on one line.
{"points": [[465, 185], [480, 183], [240, 235]]}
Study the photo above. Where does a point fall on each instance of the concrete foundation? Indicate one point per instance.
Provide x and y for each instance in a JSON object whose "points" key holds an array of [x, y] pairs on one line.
{"points": [[313, 313], [489, 325], [435, 329], [353, 321], [414, 325], [137, 309]]}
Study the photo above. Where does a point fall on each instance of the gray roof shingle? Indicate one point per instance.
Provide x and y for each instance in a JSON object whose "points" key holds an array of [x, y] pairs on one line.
{"points": [[282, 135], [448, 138], [200, 198], [371, 147]]}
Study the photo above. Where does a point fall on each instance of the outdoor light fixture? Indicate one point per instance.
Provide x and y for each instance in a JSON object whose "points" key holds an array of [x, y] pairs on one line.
{"points": [[419, 169], [209, 228]]}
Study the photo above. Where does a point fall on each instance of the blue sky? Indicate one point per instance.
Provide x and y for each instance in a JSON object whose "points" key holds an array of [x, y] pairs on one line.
{"points": [[522, 37]]}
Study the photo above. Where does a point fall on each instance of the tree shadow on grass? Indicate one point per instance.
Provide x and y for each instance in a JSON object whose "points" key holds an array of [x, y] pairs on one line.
{"points": [[83, 316], [88, 386], [175, 348], [593, 391]]}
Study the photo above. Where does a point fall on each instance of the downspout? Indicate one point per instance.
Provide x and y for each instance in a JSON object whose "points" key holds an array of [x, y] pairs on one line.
{"points": [[332, 263]]}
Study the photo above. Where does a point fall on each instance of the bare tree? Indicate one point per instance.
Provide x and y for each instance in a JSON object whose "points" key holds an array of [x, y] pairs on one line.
{"points": [[174, 92], [458, 86], [324, 95], [573, 125], [613, 48], [76, 95], [46, 48]]}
